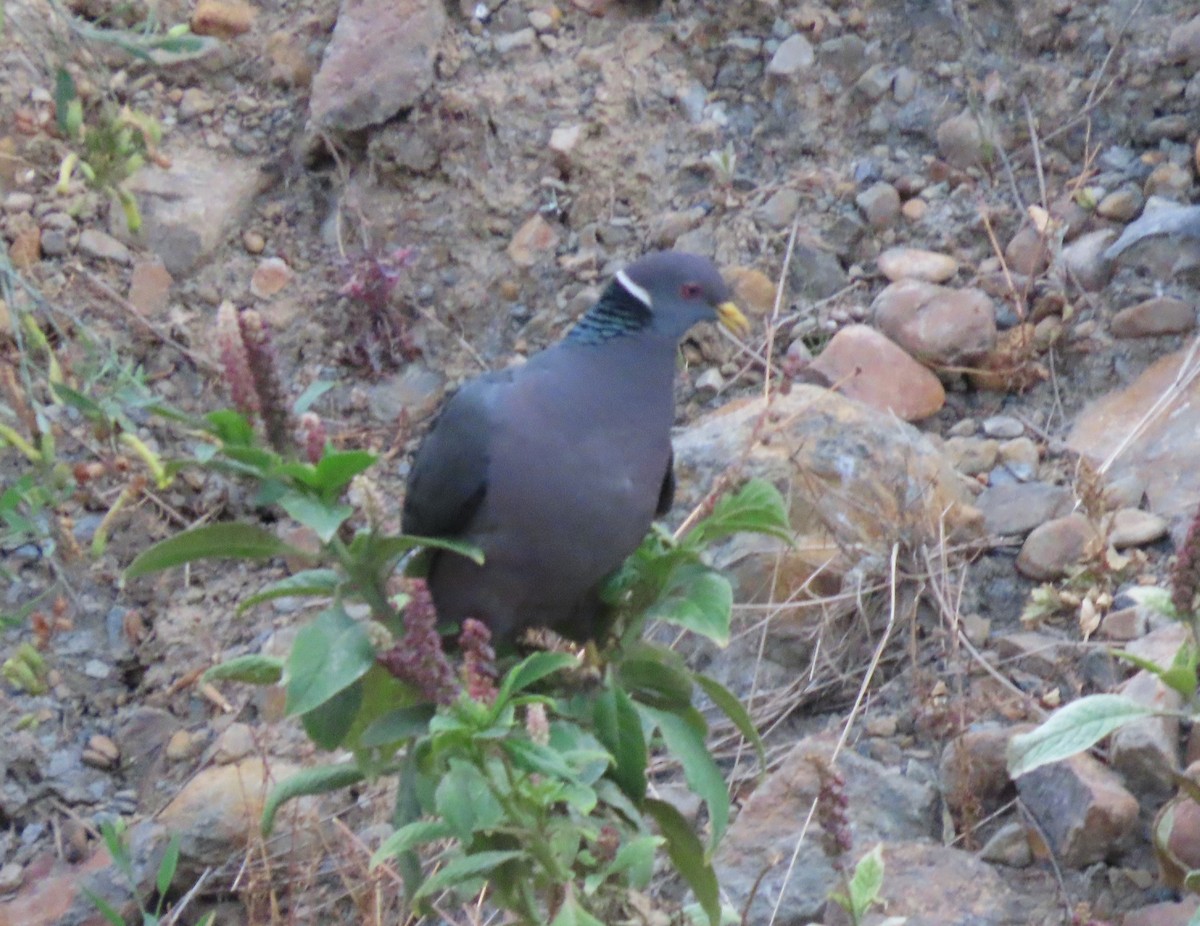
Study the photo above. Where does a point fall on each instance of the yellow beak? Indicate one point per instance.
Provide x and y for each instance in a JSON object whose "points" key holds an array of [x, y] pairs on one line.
{"points": [[731, 318]]}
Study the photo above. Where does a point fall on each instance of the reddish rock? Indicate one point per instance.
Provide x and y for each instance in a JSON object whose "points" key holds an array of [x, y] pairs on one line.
{"points": [[954, 327], [379, 61], [865, 365], [150, 287], [1051, 549], [1153, 317], [533, 240]]}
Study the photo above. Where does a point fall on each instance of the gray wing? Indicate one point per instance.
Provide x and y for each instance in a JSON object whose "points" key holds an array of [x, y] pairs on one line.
{"points": [[448, 479]]}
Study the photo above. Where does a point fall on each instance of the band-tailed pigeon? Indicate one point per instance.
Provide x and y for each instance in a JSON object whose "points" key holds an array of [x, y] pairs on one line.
{"points": [[556, 468]]}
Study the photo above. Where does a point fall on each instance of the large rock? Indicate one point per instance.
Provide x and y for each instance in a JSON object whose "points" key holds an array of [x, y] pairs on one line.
{"points": [[1150, 429], [190, 208], [379, 61], [856, 479], [756, 851], [868, 366]]}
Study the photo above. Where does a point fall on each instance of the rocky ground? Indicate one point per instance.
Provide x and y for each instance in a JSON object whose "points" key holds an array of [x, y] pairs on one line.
{"points": [[978, 211]]}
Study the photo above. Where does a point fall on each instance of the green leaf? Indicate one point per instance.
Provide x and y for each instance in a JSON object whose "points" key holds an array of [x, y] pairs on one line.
{"points": [[462, 869], [395, 547], [166, 868], [232, 427], [414, 834], [231, 540], [85, 405], [337, 467], [1179, 676], [314, 391], [698, 599], [324, 519], [329, 723], [866, 883], [308, 583], [398, 725], [253, 669], [319, 780], [64, 94], [687, 855], [572, 913], [532, 757], [1155, 598], [757, 508], [687, 744], [732, 708], [1071, 729], [658, 678], [328, 656], [618, 726], [530, 670], [464, 800], [636, 857], [106, 909]]}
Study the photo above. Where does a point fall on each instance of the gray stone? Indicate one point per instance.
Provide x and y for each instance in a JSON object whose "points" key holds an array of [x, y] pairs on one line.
{"points": [[880, 204], [793, 55], [102, 246], [1008, 846], [378, 62], [190, 208], [1085, 262], [1183, 44], [780, 210], [883, 806], [1146, 751], [1081, 807], [961, 141], [1003, 427], [510, 41]]}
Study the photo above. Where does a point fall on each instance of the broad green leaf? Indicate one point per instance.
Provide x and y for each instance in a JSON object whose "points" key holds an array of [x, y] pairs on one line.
{"points": [[328, 656], [617, 724], [529, 670], [688, 857], [572, 913], [253, 669], [329, 723], [462, 869], [324, 519], [866, 883], [698, 599], [636, 856], [314, 391], [88, 407], [464, 800], [757, 507], [231, 540], [1071, 729], [337, 467], [232, 427], [253, 461], [308, 583], [531, 757], [395, 547], [732, 708], [414, 834], [319, 780], [398, 725], [659, 682], [687, 744]]}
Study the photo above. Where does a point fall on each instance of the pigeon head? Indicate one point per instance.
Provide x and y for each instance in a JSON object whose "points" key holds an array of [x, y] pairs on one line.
{"points": [[666, 292]]}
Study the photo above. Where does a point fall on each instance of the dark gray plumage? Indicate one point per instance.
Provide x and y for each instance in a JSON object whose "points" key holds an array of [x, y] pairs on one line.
{"points": [[556, 468]]}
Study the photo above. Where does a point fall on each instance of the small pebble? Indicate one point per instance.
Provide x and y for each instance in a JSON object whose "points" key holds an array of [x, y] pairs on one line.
{"points": [[253, 242], [1003, 427]]}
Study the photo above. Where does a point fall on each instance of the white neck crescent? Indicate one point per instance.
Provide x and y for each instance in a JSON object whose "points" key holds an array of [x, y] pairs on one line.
{"points": [[640, 293]]}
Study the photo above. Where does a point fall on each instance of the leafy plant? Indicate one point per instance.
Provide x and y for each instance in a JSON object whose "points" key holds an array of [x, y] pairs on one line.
{"points": [[116, 841], [106, 151], [532, 780], [1085, 721]]}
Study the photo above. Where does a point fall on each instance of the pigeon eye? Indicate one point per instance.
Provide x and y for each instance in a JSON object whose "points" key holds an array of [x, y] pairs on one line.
{"points": [[690, 291]]}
